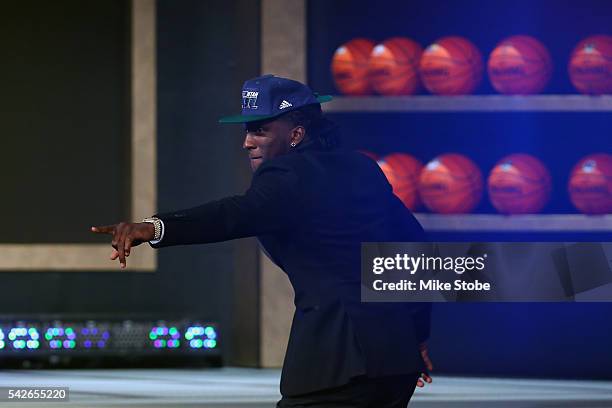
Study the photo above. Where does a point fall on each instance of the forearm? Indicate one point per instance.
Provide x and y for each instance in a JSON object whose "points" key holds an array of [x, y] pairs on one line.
{"points": [[214, 221], [270, 205]]}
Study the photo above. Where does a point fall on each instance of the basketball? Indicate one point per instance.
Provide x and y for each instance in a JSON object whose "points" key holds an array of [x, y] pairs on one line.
{"points": [[519, 65], [402, 171], [451, 66], [590, 65], [393, 67], [350, 67], [451, 184], [370, 154], [519, 184], [590, 184]]}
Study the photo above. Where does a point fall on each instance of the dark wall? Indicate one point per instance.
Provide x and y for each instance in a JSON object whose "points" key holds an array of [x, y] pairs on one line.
{"points": [[205, 52], [551, 340], [203, 56], [64, 110]]}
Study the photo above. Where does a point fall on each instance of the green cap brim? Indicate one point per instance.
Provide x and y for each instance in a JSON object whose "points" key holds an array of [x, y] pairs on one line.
{"points": [[254, 118]]}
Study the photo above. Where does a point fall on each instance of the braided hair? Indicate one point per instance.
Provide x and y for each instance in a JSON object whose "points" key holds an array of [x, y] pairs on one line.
{"points": [[320, 131]]}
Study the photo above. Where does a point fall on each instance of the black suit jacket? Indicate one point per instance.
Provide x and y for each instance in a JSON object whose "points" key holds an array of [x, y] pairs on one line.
{"points": [[311, 210]]}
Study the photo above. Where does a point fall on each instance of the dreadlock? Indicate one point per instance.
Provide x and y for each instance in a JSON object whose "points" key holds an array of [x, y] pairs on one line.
{"points": [[319, 129]]}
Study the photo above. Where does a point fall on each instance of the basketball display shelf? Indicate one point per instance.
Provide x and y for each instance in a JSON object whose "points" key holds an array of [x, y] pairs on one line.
{"points": [[471, 103], [518, 223], [489, 103]]}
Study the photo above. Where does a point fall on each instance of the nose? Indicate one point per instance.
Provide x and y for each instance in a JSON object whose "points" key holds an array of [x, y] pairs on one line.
{"points": [[249, 143]]}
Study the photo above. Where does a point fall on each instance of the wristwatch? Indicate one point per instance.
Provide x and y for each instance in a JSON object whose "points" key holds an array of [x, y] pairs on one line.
{"points": [[157, 224]]}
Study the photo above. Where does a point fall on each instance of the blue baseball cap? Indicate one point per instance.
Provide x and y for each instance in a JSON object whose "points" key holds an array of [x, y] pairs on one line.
{"points": [[268, 96]]}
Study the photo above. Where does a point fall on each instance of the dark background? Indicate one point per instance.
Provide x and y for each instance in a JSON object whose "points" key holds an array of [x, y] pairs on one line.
{"points": [[65, 113], [65, 118]]}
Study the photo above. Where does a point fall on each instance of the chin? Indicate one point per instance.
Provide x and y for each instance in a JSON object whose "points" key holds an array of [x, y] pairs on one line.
{"points": [[255, 164]]}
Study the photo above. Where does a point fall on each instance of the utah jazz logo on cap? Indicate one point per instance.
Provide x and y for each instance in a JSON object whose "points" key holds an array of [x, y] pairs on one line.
{"points": [[269, 96], [249, 99]]}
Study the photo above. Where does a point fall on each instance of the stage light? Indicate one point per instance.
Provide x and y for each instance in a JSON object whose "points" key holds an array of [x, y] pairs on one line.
{"points": [[40, 338], [210, 332], [94, 335], [165, 337], [201, 337], [59, 336], [21, 338]]}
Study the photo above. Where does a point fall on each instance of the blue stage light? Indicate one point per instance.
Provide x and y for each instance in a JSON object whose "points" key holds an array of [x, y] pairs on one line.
{"points": [[165, 337], [55, 337], [209, 344], [94, 335], [210, 332], [60, 337], [201, 337], [23, 337]]}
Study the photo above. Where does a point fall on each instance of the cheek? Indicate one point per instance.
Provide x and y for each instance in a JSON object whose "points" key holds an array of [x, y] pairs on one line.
{"points": [[274, 147], [281, 144], [277, 147]]}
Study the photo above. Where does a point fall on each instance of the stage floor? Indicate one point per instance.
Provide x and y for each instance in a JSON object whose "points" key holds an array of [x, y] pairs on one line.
{"points": [[254, 388]]}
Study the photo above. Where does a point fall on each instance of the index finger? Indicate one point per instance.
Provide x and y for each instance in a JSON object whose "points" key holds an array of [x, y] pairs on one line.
{"points": [[104, 229]]}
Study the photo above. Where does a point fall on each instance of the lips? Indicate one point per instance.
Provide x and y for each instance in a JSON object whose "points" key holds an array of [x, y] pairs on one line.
{"points": [[255, 157]]}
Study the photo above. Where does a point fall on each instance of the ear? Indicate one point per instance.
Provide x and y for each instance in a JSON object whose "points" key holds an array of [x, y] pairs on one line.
{"points": [[297, 135]]}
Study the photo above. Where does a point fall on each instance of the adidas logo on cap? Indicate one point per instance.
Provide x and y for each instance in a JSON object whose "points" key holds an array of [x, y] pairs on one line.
{"points": [[284, 104]]}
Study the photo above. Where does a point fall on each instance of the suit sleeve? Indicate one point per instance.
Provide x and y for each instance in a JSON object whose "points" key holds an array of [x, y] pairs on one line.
{"points": [[422, 310], [271, 204], [410, 230], [422, 320]]}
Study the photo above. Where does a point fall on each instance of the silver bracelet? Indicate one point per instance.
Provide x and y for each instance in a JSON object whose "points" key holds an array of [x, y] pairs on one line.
{"points": [[157, 225]]}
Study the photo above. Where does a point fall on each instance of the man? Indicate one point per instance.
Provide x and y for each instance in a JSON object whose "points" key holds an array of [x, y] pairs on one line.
{"points": [[311, 205]]}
